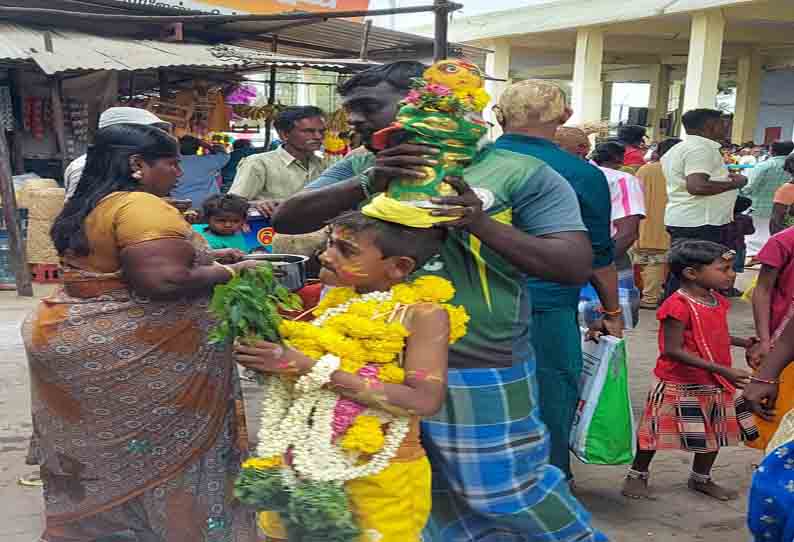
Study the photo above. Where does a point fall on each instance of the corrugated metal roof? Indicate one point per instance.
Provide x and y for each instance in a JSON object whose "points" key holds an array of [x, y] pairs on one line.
{"points": [[335, 38], [79, 51], [341, 35]]}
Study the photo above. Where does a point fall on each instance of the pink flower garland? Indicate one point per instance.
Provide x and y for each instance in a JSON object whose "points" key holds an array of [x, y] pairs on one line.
{"points": [[346, 410]]}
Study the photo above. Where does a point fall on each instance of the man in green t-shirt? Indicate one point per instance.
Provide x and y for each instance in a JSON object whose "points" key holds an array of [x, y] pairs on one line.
{"points": [[516, 217]]}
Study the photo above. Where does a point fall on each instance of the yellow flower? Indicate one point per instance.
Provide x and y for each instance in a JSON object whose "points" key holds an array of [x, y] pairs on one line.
{"points": [[480, 99], [404, 294], [365, 435], [458, 318], [381, 357], [364, 333], [391, 374], [333, 144], [432, 289], [263, 463], [334, 298], [350, 366]]}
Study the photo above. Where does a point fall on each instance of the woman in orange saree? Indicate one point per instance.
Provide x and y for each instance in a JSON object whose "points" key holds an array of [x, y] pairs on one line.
{"points": [[138, 423]]}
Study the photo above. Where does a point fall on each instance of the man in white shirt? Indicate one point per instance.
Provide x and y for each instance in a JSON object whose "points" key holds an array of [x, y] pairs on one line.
{"points": [[701, 192]]}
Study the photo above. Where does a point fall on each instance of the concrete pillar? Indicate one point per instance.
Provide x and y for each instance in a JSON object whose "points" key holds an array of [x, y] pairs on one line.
{"points": [[703, 64], [679, 127], [606, 100], [497, 64], [587, 93], [748, 97], [658, 99]]}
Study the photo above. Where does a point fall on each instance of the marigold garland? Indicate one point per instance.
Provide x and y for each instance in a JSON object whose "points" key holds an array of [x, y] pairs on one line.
{"points": [[364, 436], [313, 436]]}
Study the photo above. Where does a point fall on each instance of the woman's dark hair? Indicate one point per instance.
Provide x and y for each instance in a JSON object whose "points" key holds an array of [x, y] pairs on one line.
{"points": [[398, 74], [225, 203], [694, 254], [393, 239], [107, 170], [632, 135], [666, 145], [611, 151], [285, 121]]}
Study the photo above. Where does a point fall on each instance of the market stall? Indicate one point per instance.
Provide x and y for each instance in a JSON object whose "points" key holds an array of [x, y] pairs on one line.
{"points": [[55, 79]]}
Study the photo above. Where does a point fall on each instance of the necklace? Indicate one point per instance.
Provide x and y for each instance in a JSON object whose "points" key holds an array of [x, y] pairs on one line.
{"points": [[711, 302]]}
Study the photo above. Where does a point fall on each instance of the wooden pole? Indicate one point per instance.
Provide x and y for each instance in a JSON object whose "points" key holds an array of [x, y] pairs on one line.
{"points": [[271, 95], [17, 154], [441, 42], [365, 40], [19, 256], [164, 84], [56, 97]]}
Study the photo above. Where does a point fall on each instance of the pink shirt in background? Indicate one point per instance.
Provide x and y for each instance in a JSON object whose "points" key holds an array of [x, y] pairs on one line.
{"points": [[778, 252], [626, 193]]}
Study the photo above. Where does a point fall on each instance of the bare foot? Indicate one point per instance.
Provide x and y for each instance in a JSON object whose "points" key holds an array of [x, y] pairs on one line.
{"points": [[713, 490], [637, 488]]}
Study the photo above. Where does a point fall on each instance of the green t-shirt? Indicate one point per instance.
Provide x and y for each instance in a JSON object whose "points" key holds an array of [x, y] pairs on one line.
{"points": [[217, 242], [516, 189]]}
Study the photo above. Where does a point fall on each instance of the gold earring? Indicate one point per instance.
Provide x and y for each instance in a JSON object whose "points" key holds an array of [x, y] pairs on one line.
{"points": [[137, 175]]}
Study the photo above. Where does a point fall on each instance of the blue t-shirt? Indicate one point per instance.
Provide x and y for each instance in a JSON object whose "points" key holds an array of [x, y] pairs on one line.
{"points": [[592, 191], [199, 179]]}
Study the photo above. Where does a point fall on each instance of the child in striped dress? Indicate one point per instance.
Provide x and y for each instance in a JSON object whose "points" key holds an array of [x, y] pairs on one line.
{"points": [[692, 405]]}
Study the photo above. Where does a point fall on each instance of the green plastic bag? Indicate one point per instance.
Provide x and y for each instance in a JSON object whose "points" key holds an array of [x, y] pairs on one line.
{"points": [[603, 431]]}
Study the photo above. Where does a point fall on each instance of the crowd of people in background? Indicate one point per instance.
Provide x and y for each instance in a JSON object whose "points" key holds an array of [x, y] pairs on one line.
{"points": [[545, 221]]}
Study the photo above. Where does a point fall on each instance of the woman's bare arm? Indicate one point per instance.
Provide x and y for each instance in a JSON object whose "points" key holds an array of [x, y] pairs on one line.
{"points": [[163, 269]]}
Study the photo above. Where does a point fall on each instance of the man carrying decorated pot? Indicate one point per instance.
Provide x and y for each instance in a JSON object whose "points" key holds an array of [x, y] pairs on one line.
{"points": [[513, 217]]}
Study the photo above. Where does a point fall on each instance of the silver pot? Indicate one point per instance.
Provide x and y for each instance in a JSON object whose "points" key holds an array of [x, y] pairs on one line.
{"points": [[289, 269]]}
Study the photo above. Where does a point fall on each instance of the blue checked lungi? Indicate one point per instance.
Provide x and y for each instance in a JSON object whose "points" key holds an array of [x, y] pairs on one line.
{"points": [[491, 478]]}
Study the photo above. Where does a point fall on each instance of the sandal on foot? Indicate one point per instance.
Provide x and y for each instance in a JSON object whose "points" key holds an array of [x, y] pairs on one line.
{"points": [[708, 487], [635, 486]]}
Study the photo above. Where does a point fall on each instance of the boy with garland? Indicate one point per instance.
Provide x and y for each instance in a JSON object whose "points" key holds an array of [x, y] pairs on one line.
{"points": [[377, 350]]}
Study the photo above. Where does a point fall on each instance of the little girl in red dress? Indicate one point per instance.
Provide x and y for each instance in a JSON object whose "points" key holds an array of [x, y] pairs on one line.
{"points": [[692, 404]]}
